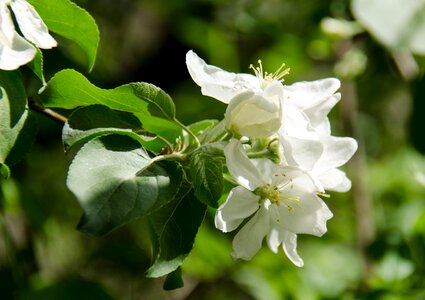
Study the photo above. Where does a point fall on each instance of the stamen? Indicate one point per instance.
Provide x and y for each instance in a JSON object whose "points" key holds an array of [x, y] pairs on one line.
{"points": [[266, 77], [324, 195]]}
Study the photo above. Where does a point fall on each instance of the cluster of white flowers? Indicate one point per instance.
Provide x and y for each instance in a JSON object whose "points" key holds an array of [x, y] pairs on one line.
{"points": [[16, 51], [279, 197]]}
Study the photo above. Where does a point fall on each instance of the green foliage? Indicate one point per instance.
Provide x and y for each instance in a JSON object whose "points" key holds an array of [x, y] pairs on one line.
{"points": [[70, 89], [96, 120], [72, 22], [16, 127], [36, 65], [106, 178], [174, 227], [207, 178]]}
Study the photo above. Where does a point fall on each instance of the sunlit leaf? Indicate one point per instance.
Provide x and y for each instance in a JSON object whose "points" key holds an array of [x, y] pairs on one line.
{"points": [[160, 103], [72, 22], [70, 89], [105, 177]]}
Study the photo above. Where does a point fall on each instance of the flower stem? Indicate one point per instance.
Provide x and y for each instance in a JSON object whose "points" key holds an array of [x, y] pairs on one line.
{"points": [[198, 144], [171, 156]]}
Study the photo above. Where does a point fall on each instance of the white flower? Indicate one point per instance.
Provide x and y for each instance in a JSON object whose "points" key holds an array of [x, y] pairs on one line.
{"points": [[281, 202], [15, 51], [254, 101], [256, 115], [305, 133]]}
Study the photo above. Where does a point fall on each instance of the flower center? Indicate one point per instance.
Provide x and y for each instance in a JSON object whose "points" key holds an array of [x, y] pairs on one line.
{"points": [[277, 196], [265, 77]]}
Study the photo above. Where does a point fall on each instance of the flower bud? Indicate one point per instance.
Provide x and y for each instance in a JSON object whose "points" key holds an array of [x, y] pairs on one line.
{"points": [[256, 115]]}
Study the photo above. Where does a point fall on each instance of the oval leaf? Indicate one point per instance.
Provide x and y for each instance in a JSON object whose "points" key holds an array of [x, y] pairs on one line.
{"points": [[70, 89], [104, 178], [207, 177], [72, 22], [174, 228]]}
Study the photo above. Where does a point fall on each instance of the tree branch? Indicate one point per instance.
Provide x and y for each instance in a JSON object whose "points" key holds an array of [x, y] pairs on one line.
{"points": [[47, 112]]}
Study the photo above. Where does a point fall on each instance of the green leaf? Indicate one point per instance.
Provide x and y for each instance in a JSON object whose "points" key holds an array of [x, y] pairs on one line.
{"points": [[69, 89], [213, 134], [174, 228], [36, 65], [94, 121], [207, 177], [4, 171], [200, 127], [174, 280], [104, 176], [393, 29], [160, 103], [17, 131], [72, 22]]}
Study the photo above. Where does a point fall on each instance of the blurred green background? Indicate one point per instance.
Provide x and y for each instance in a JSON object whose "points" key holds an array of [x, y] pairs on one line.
{"points": [[375, 245]]}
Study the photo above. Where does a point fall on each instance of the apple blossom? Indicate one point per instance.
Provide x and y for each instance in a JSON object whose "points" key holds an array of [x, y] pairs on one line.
{"points": [[280, 202], [16, 51], [305, 133], [254, 108]]}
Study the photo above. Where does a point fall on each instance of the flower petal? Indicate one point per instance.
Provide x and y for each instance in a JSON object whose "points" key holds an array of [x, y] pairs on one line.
{"points": [[304, 153], [31, 25], [289, 245], [337, 151], [15, 51], [288, 240], [309, 216], [240, 204], [317, 114], [335, 180], [240, 167], [248, 240], [217, 83], [253, 115], [308, 94]]}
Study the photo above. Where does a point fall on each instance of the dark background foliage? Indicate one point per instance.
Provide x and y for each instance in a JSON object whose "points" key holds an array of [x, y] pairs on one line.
{"points": [[375, 245]]}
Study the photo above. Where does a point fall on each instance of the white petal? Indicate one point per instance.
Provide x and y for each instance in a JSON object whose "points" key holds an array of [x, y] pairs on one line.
{"points": [[15, 51], [318, 114], [240, 166], [240, 204], [248, 240], [335, 180], [304, 153], [253, 115], [337, 151], [289, 246], [274, 240], [308, 94], [309, 216], [217, 83], [296, 123], [31, 25]]}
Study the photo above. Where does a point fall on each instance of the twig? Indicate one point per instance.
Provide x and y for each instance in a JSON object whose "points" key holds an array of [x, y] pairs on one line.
{"points": [[47, 112]]}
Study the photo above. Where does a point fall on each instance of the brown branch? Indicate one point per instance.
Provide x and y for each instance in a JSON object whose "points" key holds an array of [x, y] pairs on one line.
{"points": [[47, 112]]}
